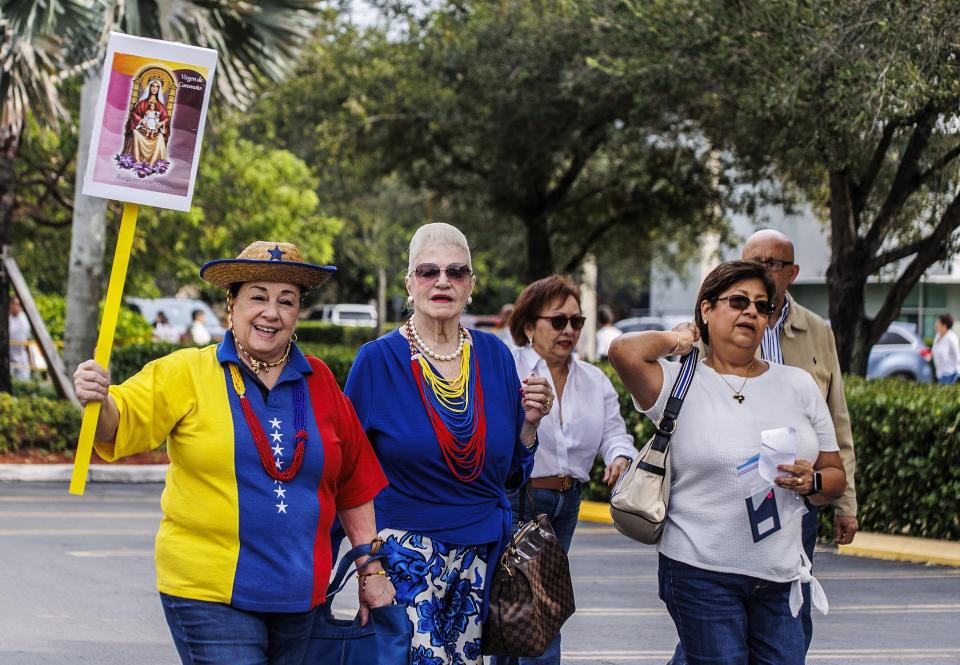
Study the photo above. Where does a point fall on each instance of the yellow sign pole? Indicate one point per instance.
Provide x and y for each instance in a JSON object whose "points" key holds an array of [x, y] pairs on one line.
{"points": [[108, 326]]}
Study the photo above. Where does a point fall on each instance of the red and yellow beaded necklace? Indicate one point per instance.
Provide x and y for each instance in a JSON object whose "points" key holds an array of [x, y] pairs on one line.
{"points": [[459, 422]]}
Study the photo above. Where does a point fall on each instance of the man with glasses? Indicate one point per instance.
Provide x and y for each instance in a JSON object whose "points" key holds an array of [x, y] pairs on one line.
{"points": [[798, 337]]}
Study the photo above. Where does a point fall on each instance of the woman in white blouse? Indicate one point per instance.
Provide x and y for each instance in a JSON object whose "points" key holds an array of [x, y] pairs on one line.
{"points": [[584, 423], [731, 558], [946, 350]]}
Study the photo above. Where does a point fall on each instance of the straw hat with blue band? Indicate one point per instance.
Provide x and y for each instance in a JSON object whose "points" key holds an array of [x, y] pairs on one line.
{"points": [[264, 261]]}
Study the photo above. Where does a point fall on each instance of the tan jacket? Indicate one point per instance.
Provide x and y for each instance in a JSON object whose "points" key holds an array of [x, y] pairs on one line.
{"points": [[807, 342]]}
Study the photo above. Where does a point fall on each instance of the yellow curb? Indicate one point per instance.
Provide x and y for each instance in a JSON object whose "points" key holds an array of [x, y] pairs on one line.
{"points": [[595, 511], [903, 548], [873, 545]]}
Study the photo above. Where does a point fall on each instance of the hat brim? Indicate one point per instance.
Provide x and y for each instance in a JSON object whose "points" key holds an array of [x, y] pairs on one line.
{"points": [[224, 272]]}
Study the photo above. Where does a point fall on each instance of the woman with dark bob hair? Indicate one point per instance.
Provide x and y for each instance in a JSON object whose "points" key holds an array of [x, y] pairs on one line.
{"points": [[585, 421], [731, 556]]}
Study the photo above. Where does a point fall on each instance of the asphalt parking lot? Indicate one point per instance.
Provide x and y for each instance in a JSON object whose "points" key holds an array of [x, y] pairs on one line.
{"points": [[77, 586]]}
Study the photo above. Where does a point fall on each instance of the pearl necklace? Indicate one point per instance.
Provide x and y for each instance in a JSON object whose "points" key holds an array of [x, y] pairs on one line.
{"points": [[415, 336]]}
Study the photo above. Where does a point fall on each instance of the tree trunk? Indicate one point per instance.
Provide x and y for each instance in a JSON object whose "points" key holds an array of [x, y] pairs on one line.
{"points": [[539, 250], [87, 245], [846, 279], [8, 153]]}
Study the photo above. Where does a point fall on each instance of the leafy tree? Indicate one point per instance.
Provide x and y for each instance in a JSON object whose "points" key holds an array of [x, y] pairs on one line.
{"points": [[35, 39], [495, 110], [853, 104], [255, 40]]}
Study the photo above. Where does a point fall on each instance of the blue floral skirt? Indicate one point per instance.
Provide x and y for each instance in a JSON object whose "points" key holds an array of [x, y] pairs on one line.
{"points": [[441, 585]]}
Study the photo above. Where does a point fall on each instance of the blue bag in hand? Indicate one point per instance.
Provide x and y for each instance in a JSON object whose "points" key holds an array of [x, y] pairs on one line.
{"points": [[385, 639]]}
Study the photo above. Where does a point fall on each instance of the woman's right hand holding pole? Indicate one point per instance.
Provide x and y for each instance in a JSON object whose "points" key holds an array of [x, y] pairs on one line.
{"points": [[91, 382]]}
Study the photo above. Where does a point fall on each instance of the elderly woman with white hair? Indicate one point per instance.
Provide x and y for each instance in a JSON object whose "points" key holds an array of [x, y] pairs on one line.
{"points": [[454, 428]]}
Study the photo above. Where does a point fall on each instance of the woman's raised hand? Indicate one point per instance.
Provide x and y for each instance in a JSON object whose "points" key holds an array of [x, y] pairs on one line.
{"points": [[91, 382], [687, 335], [537, 399]]}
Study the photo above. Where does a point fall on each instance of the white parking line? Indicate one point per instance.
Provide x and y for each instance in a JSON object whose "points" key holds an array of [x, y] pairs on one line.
{"points": [[105, 554], [929, 608], [857, 575], [82, 515], [74, 501], [827, 655], [78, 532]]}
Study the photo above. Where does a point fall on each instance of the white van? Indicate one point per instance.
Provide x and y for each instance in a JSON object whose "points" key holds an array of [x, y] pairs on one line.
{"points": [[364, 316]]}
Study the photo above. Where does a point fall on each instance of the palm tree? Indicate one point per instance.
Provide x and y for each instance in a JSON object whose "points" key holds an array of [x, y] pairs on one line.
{"points": [[256, 41], [36, 40]]}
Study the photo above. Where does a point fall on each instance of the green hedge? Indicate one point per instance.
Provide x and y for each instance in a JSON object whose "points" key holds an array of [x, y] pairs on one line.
{"points": [[37, 422], [316, 332], [908, 457]]}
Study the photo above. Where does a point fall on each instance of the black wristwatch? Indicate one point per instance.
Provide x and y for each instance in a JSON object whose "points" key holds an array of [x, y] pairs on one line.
{"points": [[817, 484]]}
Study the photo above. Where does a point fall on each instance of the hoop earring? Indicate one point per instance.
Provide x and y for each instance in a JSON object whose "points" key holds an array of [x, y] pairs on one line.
{"points": [[229, 313], [293, 337]]}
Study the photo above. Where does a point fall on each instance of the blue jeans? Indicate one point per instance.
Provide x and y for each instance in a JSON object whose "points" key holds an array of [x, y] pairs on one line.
{"points": [[563, 509], [809, 537], [208, 633], [947, 379], [729, 619]]}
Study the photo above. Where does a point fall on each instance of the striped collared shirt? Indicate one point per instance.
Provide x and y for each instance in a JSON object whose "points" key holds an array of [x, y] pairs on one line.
{"points": [[770, 346]]}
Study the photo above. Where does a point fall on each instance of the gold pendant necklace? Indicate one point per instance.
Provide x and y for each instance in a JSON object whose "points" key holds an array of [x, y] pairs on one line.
{"points": [[255, 363], [738, 394]]}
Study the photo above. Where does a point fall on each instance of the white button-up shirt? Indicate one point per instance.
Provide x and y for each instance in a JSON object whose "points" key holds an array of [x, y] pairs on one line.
{"points": [[591, 420], [946, 354]]}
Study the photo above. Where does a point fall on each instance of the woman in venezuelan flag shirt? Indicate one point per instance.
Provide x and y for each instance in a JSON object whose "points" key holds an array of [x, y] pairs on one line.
{"points": [[264, 452]]}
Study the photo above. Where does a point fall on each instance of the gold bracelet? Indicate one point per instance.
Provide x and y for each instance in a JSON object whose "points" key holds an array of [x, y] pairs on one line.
{"points": [[362, 577], [677, 347]]}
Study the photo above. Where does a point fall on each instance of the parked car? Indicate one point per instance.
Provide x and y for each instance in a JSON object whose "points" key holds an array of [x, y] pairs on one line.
{"points": [[344, 314], [179, 312], [639, 323], [900, 353], [480, 321]]}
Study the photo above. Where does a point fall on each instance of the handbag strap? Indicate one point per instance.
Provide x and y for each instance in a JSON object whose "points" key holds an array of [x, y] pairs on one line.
{"points": [[344, 573], [526, 500], [668, 421]]}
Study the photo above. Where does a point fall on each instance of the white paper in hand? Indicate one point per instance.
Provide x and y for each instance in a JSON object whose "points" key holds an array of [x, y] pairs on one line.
{"points": [[779, 446]]}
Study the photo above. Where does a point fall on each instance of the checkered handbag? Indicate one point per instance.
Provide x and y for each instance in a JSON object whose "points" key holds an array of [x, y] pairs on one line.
{"points": [[531, 593]]}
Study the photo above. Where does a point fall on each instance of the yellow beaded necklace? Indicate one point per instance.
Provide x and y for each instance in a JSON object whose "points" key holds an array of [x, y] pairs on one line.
{"points": [[454, 394]]}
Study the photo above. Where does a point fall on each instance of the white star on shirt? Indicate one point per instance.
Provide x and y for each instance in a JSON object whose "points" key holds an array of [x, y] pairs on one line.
{"points": [[275, 423], [279, 463], [277, 450], [281, 507], [281, 493], [277, 436]]}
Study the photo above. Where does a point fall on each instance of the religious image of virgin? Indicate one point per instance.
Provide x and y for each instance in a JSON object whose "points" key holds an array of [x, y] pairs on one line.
{"points": [[148, 126]]}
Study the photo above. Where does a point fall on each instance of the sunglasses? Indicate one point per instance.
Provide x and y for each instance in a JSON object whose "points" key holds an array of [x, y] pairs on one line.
{"points": [[456, 272], [775, 265], [741, 303], [559, 321]]}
